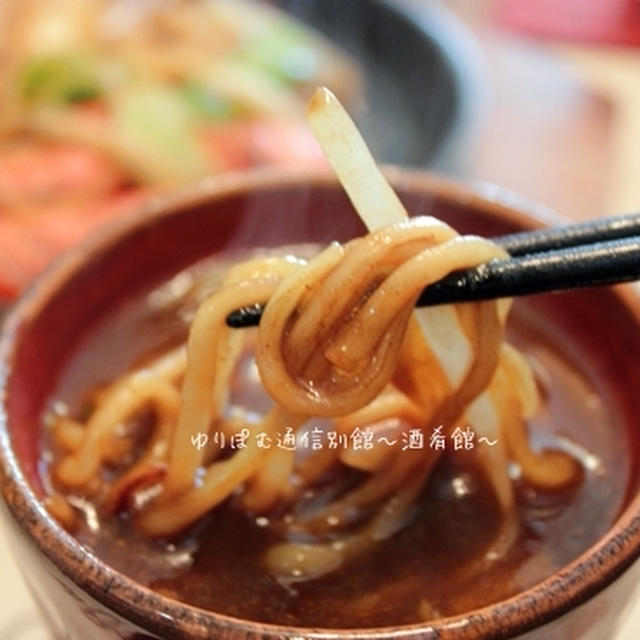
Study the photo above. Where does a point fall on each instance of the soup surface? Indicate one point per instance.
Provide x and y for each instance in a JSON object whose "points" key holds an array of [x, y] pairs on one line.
{"points": [[456, 552]]}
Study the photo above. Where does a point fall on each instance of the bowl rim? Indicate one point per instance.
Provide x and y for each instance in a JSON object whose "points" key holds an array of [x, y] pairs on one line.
{"points": [[596, 568]]}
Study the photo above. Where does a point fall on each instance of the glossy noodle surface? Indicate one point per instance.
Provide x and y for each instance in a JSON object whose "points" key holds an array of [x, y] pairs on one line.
{"points": [[371, 558]]}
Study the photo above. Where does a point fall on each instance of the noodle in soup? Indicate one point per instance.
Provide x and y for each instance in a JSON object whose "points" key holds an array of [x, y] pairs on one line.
{"points": [[350, 462]]}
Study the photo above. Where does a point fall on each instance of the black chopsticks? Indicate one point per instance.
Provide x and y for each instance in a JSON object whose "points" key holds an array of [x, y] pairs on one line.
{"points": [[581, 233], [598, 252]]}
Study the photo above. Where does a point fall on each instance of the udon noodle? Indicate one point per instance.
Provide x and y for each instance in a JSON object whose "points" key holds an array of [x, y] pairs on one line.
{"points": [[339, 349]]}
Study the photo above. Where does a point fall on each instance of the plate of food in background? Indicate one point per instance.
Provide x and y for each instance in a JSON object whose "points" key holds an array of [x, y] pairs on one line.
{"points": [[107, 102]]}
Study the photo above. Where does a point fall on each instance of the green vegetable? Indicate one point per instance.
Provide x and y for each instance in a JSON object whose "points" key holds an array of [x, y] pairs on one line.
{"points": [[284, 51], [65, 78], [160, 132], [205, 104]]}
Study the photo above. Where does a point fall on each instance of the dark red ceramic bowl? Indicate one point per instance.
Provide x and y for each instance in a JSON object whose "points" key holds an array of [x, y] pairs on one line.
{"points": [[82, 598]]}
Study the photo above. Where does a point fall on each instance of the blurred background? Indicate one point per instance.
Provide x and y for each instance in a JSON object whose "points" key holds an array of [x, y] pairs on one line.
{"points": [[562, 118], [107, 103]]}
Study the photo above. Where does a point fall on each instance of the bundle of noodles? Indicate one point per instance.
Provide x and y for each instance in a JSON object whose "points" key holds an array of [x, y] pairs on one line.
{"points": [[363, 360]]}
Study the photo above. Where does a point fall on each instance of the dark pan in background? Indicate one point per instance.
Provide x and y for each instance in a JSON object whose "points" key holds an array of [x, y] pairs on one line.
{"points": [[422, 73]]}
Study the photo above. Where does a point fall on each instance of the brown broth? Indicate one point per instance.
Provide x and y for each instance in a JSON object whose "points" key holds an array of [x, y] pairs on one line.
{"points": [[439, 564]]}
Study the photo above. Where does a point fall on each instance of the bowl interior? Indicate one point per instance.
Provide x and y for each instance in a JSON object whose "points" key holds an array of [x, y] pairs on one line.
{"points": [[49, 323]]}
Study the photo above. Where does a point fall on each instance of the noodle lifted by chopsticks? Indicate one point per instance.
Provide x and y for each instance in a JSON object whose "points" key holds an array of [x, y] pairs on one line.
{"points": [[358, 360]]}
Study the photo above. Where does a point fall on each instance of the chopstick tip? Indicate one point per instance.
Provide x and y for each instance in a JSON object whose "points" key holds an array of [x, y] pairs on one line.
{"points": [[245, 317]]}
